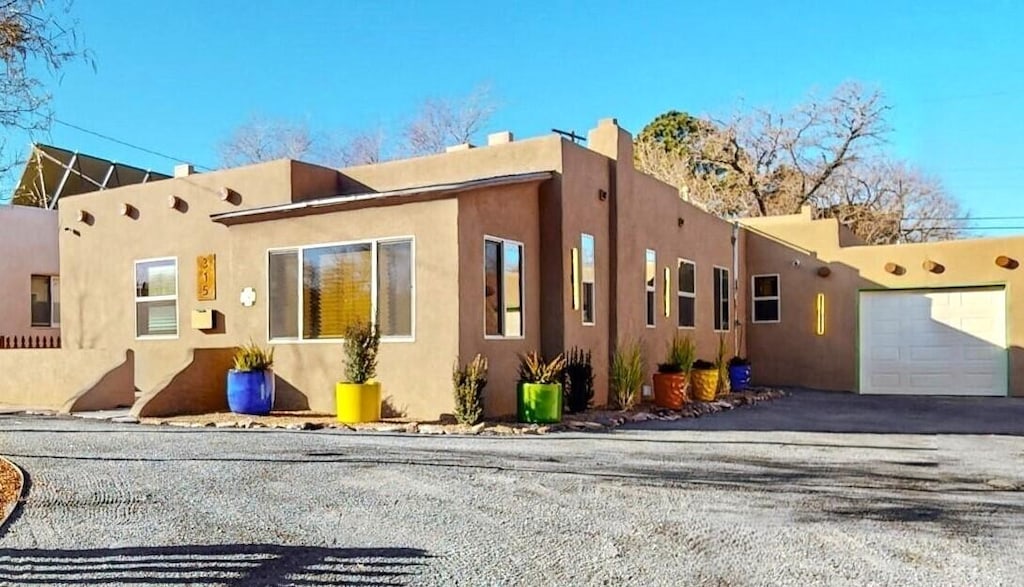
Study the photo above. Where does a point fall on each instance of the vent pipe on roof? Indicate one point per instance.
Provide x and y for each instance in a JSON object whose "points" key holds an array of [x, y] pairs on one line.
{"points": [[184, 170], [459, 147]]}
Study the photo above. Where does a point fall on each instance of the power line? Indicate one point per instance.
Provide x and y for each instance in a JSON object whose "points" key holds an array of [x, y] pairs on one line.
{"points": [[968, 218], [127, 144]]}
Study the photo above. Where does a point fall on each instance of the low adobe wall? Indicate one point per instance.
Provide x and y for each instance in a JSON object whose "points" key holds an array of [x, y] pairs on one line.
{"points": [[67, 380]]}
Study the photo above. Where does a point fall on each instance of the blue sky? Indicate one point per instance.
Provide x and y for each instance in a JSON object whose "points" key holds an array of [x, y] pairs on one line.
{"points": [[176, 77]]}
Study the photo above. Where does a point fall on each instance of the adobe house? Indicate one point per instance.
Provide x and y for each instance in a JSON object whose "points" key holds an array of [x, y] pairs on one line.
{"points": [[501, 249], [29, 282]]}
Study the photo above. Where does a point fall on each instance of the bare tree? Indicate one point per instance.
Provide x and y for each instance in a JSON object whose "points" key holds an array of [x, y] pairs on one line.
{"points": [[261, 139], [33, 38], [362, 148], [442, 122]]}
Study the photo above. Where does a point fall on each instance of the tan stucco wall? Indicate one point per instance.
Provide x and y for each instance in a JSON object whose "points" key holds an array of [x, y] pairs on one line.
{"points": [[830, 362], [66, 379], [416, 376], [508, 213], [28, 246]]}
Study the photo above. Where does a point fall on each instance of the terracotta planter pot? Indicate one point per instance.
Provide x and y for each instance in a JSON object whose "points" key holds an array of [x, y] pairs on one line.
{"points": [[704, 383], [671, 390]]}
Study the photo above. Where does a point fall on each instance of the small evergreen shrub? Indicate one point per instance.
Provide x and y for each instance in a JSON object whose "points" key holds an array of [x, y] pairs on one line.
{"points": [[469, 382], [252, 357], [627, 374], [578, 385], [362, 339]]}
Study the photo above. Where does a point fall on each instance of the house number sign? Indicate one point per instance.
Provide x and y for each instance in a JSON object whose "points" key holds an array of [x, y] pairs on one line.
{"points": [[206, 278]]}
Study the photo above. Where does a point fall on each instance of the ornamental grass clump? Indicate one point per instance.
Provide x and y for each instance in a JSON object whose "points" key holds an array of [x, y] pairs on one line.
{"points": [[681, 354], [722, 365], [627, 374], [578, 385], [252, 357], [534, 369], [468, 383], [362, 340]]}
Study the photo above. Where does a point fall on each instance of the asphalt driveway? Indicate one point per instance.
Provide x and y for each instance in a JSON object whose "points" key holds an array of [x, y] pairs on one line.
{"points": [[830, 411], [125, 504]]}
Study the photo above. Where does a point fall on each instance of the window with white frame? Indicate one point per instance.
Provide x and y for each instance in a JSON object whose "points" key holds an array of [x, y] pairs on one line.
{"points": [[588, 278], [156, 298], [687, 294], [503, 288], [766, 305], [317, 292], [45, 301], [650, 271], [721, 295]]}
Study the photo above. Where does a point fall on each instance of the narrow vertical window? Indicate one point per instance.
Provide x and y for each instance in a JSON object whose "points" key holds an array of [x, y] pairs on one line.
{"points": [[589, 278], [687, 294], [156, 298], [650, 273], [766, 298], [721, 294], [503, 288], [283, 275], [394, 288], [45, 305]]}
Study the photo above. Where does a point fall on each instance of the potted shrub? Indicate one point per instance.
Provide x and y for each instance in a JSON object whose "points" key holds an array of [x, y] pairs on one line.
{"points": [[357, 398], [739, 373], [672, 381], [539, 393], [704, 380], [469, 382], [578, 382], [626, 375], [251, 382]]}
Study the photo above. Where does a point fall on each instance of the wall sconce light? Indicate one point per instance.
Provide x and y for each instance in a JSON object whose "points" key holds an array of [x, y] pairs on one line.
{"points": [[575, 278], [602, 195], [933, 267], [1007, 262], [668, 294], [824, 272], [681, 221], [894, 268], [819, 306]]}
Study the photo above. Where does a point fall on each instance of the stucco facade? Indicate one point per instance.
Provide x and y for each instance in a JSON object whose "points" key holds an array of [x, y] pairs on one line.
{"points": [[795, 247], [28, 247]]}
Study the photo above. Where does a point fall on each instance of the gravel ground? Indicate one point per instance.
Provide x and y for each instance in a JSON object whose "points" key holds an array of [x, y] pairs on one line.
{"points": [[119, 503]]}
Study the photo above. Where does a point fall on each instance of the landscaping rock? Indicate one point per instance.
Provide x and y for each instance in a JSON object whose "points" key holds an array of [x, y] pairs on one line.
{"points": [[389, 428], [125, 420], [477, 428], [432, 429], [500, 429], [217, 424], [412, 427]]}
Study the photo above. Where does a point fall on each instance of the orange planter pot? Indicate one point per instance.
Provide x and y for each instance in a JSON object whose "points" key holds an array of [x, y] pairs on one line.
{"points": [[671, 390], [705, 384]]}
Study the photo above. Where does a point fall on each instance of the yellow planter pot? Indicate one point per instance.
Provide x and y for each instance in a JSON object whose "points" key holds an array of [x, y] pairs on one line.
{"points": [[357, 402], [704, 384]]}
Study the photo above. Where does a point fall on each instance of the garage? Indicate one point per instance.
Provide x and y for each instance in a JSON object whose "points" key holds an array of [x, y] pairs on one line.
{"points": [[933, 342]]}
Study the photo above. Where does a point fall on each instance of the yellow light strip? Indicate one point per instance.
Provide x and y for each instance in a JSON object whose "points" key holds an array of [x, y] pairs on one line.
{"points": [[668, 293], [820, 306], [575, 278]]}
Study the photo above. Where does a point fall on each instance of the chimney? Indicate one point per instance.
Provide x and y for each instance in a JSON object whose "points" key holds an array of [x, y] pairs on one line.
{"points": [[499, 138], [611, 141], [459, 147], [184, 170]]}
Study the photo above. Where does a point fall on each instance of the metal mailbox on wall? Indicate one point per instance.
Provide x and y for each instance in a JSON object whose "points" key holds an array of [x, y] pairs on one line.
{"points": [[206, 278]]}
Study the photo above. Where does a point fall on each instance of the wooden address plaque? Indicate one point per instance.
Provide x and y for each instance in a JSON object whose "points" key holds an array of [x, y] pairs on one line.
{"points": [[206, 278]]}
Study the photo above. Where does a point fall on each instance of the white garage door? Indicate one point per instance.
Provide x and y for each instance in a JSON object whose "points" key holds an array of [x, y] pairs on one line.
{"points": [[934, 342]]}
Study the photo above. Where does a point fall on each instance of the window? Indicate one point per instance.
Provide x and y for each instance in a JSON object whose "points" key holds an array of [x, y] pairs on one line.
{"points": [[156, 298], [766, 298], [687, 294], [503, 288], [721, 277], [650, 269], [589, 278], [317, 292], [45, 301]]}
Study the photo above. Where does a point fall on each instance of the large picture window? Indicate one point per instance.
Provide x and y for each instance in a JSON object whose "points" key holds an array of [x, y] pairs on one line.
{"points": [[721, 286], [687, 294], [766, 298], [503, 288], [156, 298], [317, 292], [650, 271], [588, 278], [45, 301]]}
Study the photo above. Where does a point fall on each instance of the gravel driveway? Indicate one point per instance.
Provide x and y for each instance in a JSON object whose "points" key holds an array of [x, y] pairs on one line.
{"points": [[127, 504]]}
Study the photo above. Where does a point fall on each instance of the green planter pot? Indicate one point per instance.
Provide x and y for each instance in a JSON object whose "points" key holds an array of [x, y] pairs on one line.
{"points": [[539, 403]]}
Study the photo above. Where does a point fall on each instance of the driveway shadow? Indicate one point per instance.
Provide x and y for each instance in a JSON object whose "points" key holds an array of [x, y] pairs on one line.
{"points": [[218, 564], [834, 411]]}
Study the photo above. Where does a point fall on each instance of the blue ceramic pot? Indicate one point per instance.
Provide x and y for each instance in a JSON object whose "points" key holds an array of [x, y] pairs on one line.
{"points": [[251, 392], [739, 377]]}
